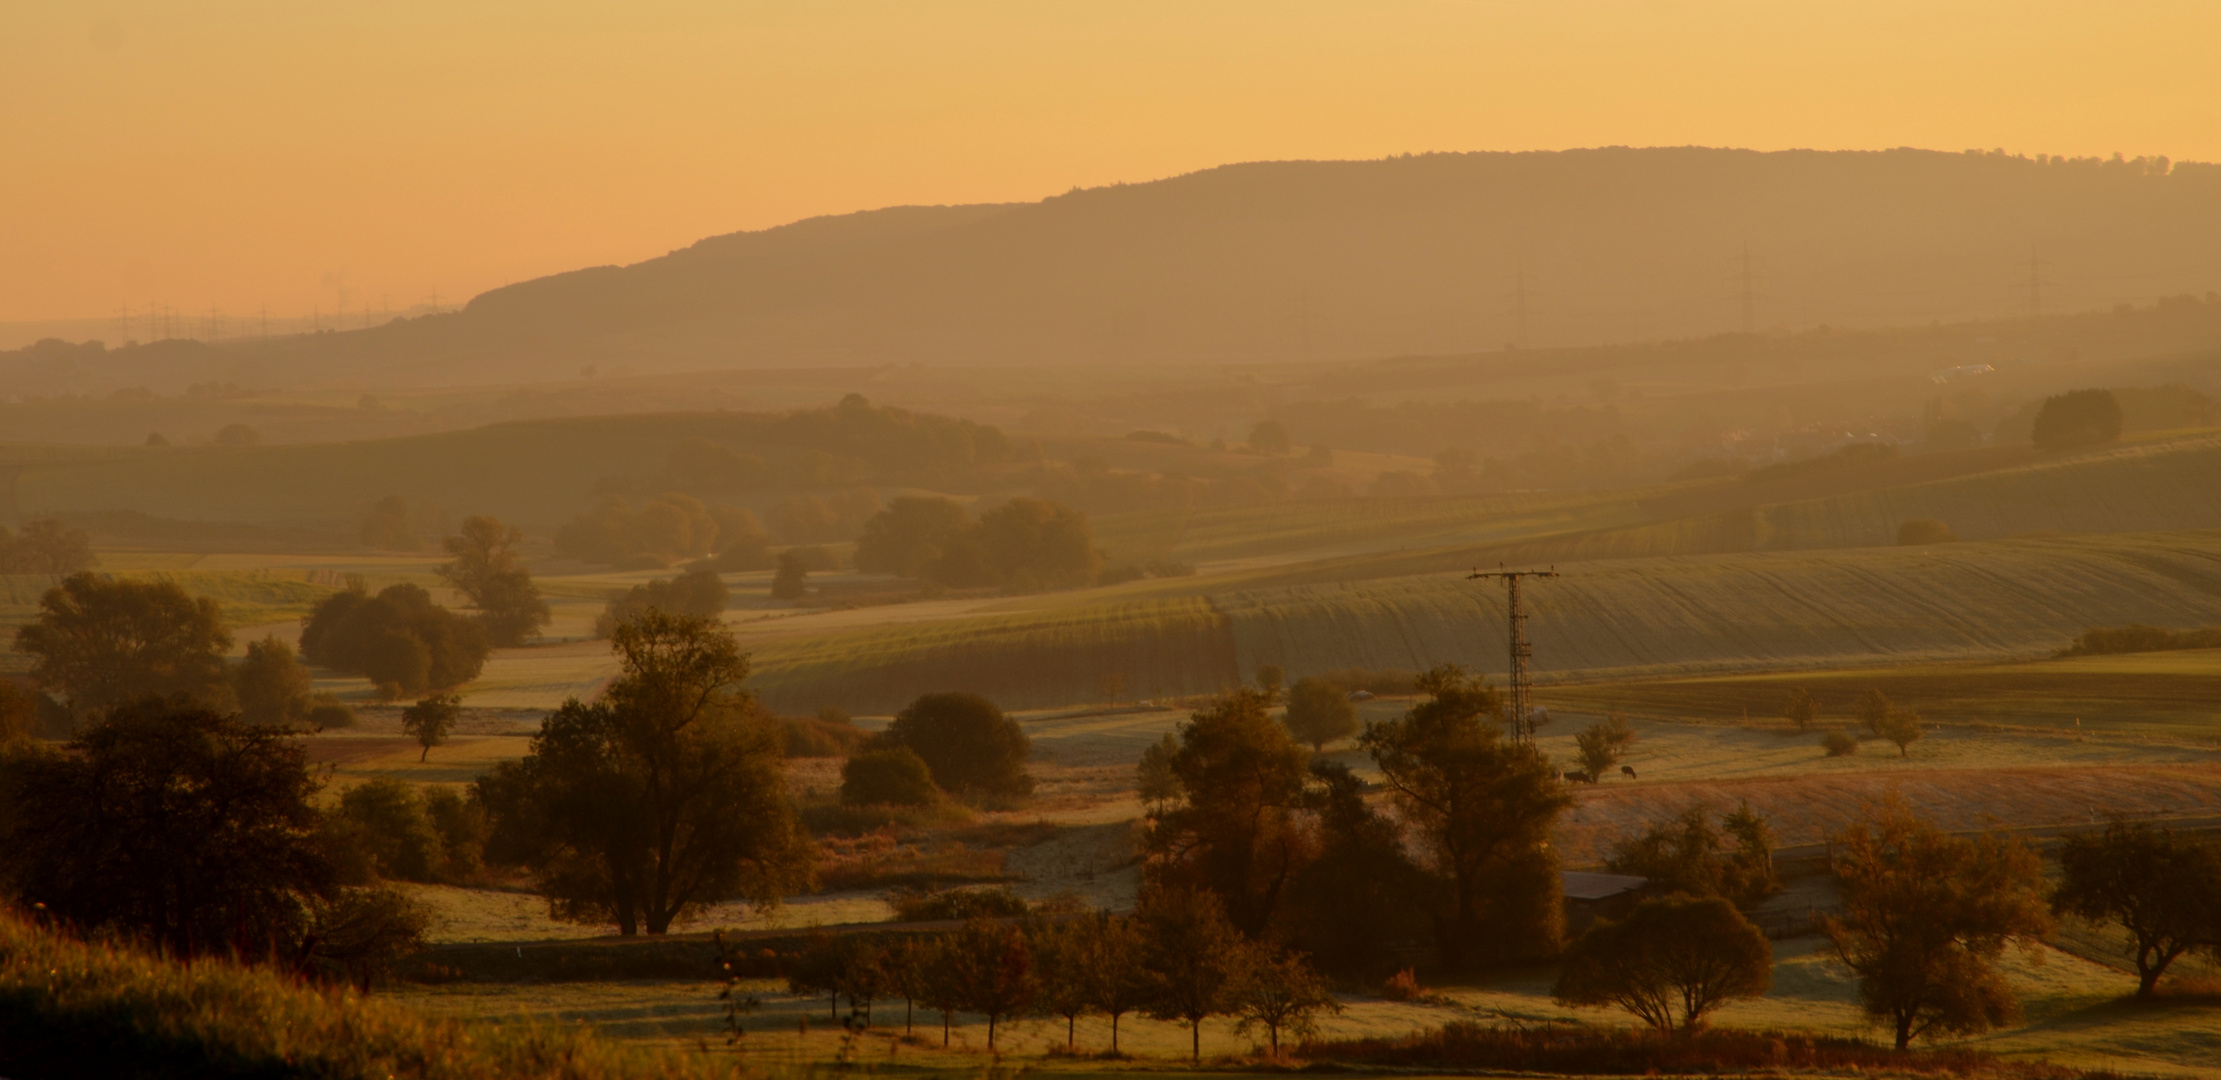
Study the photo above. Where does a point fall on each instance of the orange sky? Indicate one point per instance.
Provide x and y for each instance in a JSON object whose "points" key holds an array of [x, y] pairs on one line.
{"points": [[237, 154]]}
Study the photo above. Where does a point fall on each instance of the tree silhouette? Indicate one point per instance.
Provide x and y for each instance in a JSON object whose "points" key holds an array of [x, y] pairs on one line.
{"points": [[1670, 962], [100, 643]]}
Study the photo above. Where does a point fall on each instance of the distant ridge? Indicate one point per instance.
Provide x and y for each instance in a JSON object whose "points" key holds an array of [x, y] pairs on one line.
{"points": [[1289, 260]]}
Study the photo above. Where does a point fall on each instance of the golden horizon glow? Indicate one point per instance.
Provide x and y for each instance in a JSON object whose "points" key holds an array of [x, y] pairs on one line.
{"points": [[237, 155]]}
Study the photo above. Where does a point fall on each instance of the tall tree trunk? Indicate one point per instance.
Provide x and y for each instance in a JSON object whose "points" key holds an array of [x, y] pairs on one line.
{"points": [[1195, 1041]]}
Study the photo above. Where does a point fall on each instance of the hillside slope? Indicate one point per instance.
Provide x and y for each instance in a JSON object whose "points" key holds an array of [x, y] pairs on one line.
{"points": [[1296, 259]]}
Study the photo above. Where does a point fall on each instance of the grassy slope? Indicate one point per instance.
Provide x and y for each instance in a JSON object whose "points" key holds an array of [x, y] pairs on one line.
{"points": [[1021, 659], [1720, 612], [70, 1009]]}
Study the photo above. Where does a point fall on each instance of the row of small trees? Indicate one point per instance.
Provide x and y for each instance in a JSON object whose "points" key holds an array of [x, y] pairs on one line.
{"points": [[1881, 719], [1175, 958]]}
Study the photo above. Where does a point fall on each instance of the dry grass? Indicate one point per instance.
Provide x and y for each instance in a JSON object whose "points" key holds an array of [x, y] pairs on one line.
{"points": [[73, 1009]]}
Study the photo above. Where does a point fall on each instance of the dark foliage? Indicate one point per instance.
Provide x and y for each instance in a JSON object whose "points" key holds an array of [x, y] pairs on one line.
{"points": [[1925, 531], [2136, 637], [270, 685], [486, 569], [1481, 810], [699, 591], [1358, 907], [2077, 419], [890, 776], [189, 829], [973, 750], [1670, 962], [1234, 823], [1026, 545], [45, 546], [2162, 889], [398, 637], [1588, 1051], [1690, 854], [664, 795], [937, 905], [99, 643]]}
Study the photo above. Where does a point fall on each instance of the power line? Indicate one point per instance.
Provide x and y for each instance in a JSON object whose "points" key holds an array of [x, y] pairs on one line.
{"points": [[1523, 724]]}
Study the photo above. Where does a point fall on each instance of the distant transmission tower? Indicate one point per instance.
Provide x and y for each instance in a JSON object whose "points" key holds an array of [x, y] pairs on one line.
{"points": [[1522, 683], [1750, 306], [1519, 305], [2036, 285]]}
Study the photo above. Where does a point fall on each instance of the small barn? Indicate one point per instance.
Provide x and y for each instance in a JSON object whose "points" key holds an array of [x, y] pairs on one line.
{"points": [[1592, 896]]}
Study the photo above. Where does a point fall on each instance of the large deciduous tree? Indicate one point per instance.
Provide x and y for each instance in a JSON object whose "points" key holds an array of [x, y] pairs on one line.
{"points": [[910, 536], [100, 643], [1481, 808], [486, 569], [1670, 962], [1235, 824], [2164, 891], [2076, 419], [664, 795], [1925, 917]]}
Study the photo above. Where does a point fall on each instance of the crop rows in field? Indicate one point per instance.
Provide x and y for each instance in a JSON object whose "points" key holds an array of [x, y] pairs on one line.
{"points": [[1023, 659], [1322, 526], [248, 597], [1729, 612]]}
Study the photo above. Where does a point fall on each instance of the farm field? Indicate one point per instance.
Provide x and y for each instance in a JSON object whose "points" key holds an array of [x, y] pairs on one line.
{"points": [[2173, 695]]}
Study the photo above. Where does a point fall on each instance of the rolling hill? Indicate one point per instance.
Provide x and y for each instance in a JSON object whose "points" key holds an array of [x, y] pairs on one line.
{"points": [[1288, 260]]}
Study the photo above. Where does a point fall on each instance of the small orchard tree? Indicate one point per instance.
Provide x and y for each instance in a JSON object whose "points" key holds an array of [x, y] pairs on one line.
{"points": [[1670, 962], [1319, 713], [1061, 955], [2162, 889], [1601, 744], [1925, 917], [430, 720], [1118, 976], [990, 971], [1900, 726], [1802, 709], [1282, 994], [1199, 960]]}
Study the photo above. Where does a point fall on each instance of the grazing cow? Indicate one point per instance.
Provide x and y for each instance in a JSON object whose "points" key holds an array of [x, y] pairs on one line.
{"points": [[1627, 771]]}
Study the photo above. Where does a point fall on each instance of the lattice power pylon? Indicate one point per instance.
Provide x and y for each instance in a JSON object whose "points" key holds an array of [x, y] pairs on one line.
{"points": [[1522, 684]]}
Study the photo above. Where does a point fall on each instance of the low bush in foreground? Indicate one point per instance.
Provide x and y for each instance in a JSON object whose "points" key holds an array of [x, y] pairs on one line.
{"points": [[69, 1009], [1581, 1051]]}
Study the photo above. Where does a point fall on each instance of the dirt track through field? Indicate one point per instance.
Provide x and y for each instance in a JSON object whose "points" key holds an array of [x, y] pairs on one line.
{"points": [[1805, 809]]}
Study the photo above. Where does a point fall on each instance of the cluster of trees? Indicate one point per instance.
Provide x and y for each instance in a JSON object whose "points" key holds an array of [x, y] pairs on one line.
{"points": [[699, 591], [661, 796], [663, 529], [1175, 958], [485, 568], [815, 519], [1876, 715], [199, 834], [1025, 544], [99, 643], [1238, 808], [2077, 419], [398, 639], [953, 743], [44, 547]]}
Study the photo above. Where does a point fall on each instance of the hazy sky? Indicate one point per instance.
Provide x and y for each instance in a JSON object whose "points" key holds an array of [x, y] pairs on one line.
{"points": [[236, 154]]}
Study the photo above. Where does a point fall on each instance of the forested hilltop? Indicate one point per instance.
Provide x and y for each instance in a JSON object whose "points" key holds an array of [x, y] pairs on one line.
{"points": [[1276, 260]]}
